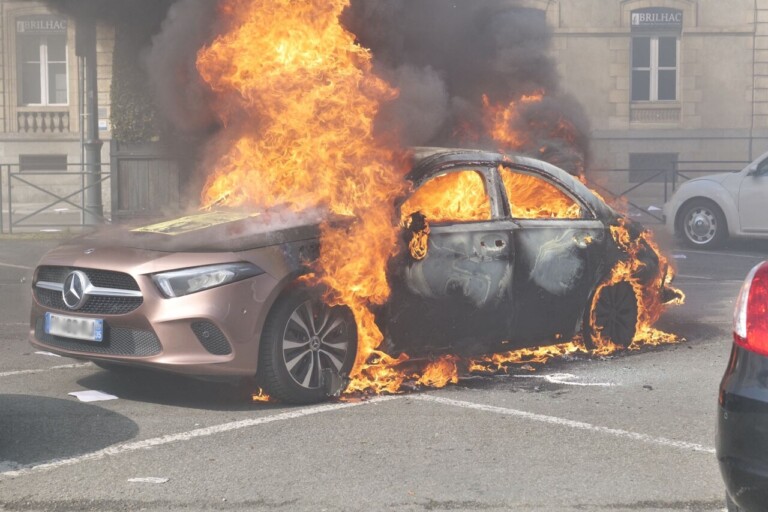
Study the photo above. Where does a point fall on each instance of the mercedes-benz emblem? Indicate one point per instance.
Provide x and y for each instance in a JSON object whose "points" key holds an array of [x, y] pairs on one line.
{"points": [[74, 289]]}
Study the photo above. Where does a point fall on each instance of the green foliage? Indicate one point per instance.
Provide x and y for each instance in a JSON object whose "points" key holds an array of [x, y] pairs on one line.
{"points": [[134, 116]]}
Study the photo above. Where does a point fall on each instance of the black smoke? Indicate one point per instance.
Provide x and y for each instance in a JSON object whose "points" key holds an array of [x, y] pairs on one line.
{"points": [[444, 56]]}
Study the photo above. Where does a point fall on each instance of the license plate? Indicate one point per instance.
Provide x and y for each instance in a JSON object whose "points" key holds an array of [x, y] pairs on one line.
{"points": [[91, 329]]}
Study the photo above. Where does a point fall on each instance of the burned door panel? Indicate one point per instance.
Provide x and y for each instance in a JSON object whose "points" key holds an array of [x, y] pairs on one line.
{"points": [[556, 265], [460, 294]]}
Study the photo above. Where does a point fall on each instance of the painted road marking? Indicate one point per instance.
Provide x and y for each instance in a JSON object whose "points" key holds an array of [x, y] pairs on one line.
{"points": [[23, 470], [41, 370], [704, 278], [9, 265], [567, 379], [563, 422], [719, 253]]}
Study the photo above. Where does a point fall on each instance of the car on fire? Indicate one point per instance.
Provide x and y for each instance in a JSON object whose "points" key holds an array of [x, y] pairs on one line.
{"points": [[741, 441], [706, 211], [524, 258]]}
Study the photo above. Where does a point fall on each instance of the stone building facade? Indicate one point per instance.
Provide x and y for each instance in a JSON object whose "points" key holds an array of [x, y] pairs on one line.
{"points": [[40, 99], [663, 82]]}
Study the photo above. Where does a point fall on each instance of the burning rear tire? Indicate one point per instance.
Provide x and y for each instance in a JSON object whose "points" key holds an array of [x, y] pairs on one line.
{"points": [[615, 316], [304, 342]]}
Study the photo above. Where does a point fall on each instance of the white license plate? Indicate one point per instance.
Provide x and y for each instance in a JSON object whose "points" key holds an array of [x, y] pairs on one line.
{"points": [[91, 329]]}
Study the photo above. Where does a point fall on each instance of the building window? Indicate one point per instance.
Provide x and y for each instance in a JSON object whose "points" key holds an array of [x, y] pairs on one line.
{"points": [[45, 163], [654, 68], [41, 43], [651, 167]]}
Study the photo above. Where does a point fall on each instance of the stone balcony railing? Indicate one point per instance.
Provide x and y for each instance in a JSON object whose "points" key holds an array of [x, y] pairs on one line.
{"points": [[43, 121]]}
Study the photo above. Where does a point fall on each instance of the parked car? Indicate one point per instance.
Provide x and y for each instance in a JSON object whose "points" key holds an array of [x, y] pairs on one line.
{"points": [[742, 426], [705, 211], [519, 259]]}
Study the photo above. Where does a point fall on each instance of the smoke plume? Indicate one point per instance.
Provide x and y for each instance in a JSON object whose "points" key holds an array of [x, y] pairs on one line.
{"points": [[444, 57]]}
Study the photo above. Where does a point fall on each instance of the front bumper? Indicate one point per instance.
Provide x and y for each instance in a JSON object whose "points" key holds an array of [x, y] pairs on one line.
{"points": [[742, 430], [210, 333]]}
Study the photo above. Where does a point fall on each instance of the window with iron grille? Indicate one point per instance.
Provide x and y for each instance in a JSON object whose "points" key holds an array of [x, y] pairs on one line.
{"points": [[43, 163], [649, 166]]}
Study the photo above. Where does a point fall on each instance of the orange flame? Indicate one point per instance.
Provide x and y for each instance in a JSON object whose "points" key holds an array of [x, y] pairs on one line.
{"points": [[298, 98], [499, 118], [301, 96]]}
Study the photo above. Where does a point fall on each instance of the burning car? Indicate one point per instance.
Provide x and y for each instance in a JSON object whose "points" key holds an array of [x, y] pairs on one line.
{"points": [[497, 252]]}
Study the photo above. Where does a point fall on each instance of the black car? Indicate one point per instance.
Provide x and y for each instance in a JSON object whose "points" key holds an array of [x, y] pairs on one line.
{"points": [[742, 428]]}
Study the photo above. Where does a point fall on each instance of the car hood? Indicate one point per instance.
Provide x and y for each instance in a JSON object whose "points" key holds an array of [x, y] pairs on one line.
{"points": [[214, 231]]}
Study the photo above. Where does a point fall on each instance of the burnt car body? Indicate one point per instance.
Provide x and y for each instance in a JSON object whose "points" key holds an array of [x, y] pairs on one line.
{"points": [[742, 420], [220, 294]]}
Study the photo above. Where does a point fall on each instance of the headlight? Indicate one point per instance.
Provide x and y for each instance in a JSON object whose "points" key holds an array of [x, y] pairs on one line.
{"points": [[183, 282]]}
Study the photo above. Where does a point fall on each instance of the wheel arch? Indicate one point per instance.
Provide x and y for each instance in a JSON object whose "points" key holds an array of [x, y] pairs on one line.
{"points": [[713, 193]]}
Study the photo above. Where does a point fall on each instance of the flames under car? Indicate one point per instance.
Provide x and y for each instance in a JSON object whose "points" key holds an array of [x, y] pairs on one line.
{"points": [[519, 258]]}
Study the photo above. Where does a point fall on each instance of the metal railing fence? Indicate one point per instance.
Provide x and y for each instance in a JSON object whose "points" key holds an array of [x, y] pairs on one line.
{"points": [[621, 186], [29, 199]]}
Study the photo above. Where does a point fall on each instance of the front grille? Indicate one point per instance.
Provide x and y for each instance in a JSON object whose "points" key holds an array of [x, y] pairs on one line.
{"points": [[211, 338], [95, 304], [97, 277], [117, 341]]}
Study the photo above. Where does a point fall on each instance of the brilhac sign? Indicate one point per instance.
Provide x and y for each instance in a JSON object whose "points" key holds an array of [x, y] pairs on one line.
{"points": [[41, 25], [657, 19]]}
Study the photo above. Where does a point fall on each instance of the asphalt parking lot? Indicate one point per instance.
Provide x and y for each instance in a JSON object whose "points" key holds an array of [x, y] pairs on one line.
{"points": [[632, 432]]}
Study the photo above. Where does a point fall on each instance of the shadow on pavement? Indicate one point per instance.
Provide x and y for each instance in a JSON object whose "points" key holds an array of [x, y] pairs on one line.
{"points": [[167, 389], [35, 429]]}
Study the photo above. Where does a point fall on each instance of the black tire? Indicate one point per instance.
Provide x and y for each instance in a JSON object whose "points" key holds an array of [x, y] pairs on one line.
{"points": [[702, 224], [730, 505], [616, 311], [303, 335], [117, 368]]}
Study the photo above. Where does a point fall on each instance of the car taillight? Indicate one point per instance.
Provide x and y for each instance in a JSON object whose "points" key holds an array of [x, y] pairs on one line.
{"points": [[750, 318]]}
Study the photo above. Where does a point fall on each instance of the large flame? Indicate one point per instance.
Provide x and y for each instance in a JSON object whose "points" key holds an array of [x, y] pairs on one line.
{"points": [[298, 98], [301, 97]]}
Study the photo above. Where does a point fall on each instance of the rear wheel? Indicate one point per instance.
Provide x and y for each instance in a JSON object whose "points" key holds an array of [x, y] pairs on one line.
{"points": [[303, 342], [703, 225], [615, 316]]}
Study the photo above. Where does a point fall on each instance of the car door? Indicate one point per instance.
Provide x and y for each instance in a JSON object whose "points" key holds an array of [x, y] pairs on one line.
{"points": [[753, 195], [457, 293], [559, 244]]}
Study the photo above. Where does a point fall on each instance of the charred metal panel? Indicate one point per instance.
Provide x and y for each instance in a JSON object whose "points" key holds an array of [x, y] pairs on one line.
{"points": [[557, 265], [460, 293]]}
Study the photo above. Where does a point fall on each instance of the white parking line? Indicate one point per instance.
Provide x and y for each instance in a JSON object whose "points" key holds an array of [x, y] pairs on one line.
{"points": [[709, 280], [183, 436], [719, 253], [9, 265], [554, 420], [41, 370]]}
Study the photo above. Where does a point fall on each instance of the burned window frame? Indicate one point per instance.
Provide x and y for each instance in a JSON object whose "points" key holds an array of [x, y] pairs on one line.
{"points": [[587, 213], [490, 183]]}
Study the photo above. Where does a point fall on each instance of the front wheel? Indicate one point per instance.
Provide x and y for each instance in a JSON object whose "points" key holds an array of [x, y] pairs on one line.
{"points": [[730, 505], [703, 225], [305, 340], [614, 318]]}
